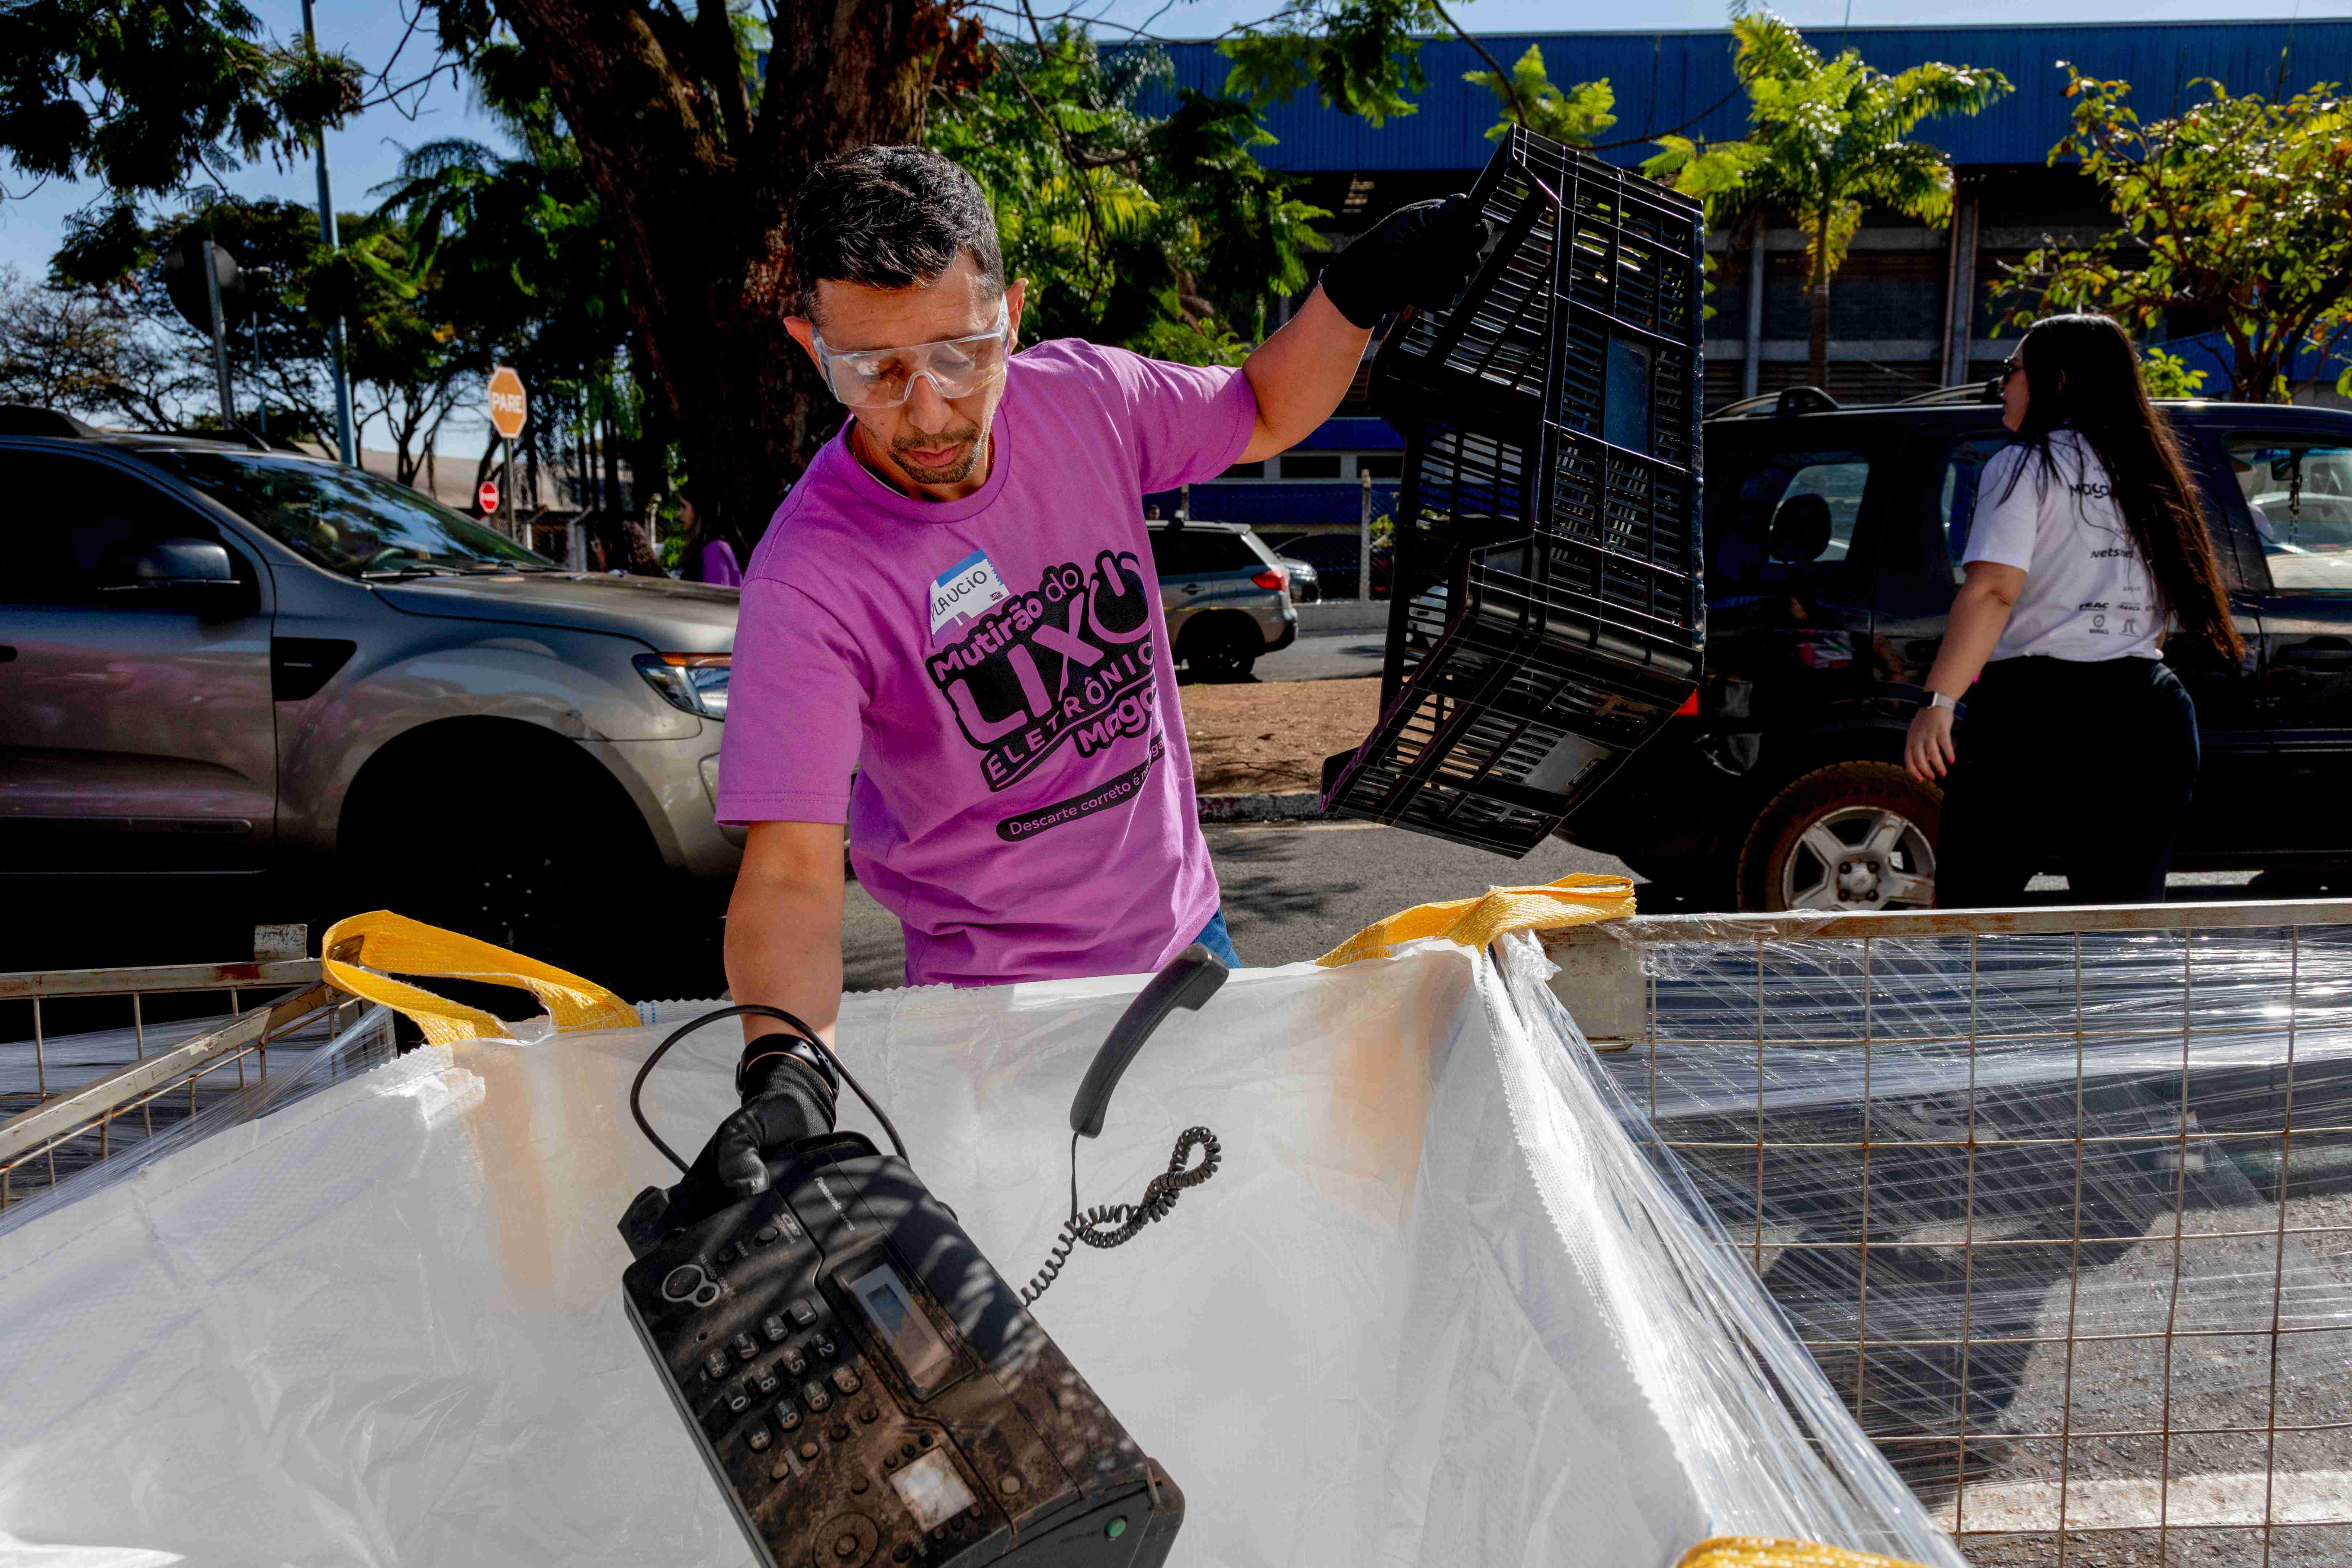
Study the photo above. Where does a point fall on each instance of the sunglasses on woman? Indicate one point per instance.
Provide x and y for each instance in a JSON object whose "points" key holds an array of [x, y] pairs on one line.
{"points": [[884, 378], [1999, 382]]}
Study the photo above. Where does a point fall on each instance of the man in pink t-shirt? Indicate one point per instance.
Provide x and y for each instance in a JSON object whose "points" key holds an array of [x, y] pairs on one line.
{"points": [[951, 636]]}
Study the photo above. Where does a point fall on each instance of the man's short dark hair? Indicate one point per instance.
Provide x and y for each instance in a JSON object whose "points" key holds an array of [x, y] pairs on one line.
{"points": [[889, 217]]}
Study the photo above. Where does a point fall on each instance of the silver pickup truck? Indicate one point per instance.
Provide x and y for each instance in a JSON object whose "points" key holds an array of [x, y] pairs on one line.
{"points": [[217, 662]]}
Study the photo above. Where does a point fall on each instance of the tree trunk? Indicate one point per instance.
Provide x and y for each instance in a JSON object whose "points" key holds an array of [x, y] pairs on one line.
{"points": [[701, 214], [1817, 298], [610, 441]]}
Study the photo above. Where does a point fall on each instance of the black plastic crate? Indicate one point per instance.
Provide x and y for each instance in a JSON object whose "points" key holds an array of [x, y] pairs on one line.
{"points": [[1513, 708], [1547, 616], [1630, 282]]}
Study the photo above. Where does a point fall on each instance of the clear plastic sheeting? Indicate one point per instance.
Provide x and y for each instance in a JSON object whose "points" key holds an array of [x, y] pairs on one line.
{"points": [[1435, 1307], [2066, 1219]]}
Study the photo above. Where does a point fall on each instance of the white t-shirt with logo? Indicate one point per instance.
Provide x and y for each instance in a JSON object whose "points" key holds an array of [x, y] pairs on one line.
{"points": [[2088, 596]]}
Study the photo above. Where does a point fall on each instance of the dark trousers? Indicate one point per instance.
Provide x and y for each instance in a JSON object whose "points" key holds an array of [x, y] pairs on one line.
{"points": [[2084, 768]]}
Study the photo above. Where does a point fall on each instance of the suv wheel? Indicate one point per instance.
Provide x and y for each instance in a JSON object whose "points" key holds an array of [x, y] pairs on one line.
{"points": [[571, 877], [1852, 836], [1223, 647]]}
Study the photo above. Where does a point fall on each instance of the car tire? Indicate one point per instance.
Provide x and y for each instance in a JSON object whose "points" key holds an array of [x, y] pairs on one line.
{"points": [[1222, 647], [1851, 835], [573, 878]]}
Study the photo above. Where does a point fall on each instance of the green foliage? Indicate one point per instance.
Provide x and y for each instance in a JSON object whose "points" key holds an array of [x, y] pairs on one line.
{"points": [[79, 351], [525, 260], [140, 96], [112, 257], [1575, 117], [2237, 213], [1162, 234], [1826, 139], [407, 362], [1358, 56], [2168, 375]]}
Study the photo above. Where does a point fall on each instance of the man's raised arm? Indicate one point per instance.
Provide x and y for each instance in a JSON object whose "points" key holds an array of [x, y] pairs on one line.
{"points": [[1418, 255]]}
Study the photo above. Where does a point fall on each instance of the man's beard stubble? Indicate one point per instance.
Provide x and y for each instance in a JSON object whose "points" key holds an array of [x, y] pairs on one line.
{"points": [[952, 473]]}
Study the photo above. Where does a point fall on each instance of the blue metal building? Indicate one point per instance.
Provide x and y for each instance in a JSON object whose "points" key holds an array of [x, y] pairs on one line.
{"points": [[1910, 311]]}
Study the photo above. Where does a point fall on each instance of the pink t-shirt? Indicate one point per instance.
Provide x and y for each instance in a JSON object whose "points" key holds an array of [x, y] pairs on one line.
{"points": [[994, 670]]}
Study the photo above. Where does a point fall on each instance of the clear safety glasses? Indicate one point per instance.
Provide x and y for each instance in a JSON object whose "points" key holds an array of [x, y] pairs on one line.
{"points": [[884, 378]]}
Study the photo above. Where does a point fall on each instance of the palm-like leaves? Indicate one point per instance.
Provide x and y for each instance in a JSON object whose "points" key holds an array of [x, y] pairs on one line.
{"points": [[1828, 139], [1161, 234]]}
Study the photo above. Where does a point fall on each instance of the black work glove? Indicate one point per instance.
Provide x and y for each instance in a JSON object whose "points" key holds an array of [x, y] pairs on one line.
{"points": [[1418, 254], [786, 1098]]}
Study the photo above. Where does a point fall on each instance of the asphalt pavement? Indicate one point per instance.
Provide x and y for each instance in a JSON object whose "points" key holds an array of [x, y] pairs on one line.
{"points": [[1332, 655]]}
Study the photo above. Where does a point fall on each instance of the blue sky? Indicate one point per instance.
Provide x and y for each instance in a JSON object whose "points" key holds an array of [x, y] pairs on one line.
{"points": [[367, 152]]}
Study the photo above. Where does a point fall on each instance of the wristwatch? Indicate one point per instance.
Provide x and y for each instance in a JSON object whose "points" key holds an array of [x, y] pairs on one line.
{"points": [[1937, 700]]}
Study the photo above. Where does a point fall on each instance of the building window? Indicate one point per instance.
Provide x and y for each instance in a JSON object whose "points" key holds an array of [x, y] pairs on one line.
{"points": [[1311, 466], [1390, 467], [1245, 471]]}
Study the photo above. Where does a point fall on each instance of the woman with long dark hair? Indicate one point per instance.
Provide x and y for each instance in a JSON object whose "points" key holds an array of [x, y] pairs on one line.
{"points": [[710, 554], [2079, 749]]}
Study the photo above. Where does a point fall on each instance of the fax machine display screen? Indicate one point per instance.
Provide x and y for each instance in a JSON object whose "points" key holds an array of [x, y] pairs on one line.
{"points": [[891, 1309]]}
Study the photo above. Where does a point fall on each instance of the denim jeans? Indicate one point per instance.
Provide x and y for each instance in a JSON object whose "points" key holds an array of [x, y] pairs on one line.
{"points": [[1215, 937]]}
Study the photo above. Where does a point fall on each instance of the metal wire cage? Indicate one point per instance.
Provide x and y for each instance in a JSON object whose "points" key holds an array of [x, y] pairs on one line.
{"points": [[2059, 1200], [102, 1068]]}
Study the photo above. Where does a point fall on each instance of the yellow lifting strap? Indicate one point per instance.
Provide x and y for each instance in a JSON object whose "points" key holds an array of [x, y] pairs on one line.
{"points": [[1758, 1552], [384, 940], [1574, 900]]}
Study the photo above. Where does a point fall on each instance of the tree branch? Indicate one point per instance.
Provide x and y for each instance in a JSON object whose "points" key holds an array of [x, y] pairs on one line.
{"points": [[1510, 83]]}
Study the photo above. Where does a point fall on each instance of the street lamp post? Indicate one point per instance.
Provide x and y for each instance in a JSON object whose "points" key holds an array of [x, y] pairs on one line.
{"points": [[345, 440], [253, 320]]}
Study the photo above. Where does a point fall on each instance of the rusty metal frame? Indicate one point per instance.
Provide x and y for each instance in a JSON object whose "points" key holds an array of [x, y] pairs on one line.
{"points": [[1603, 978]]}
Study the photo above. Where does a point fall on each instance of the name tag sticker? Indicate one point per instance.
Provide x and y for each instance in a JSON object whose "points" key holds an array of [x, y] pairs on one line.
{"points": [[966, 588]]}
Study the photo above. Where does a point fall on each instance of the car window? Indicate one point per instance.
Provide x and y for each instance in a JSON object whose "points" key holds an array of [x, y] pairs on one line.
{"points": [[1956, 490], [343, 519], [1178, 551], [1793, 518], [1174, 552], [2298, 495], [76, 521]]}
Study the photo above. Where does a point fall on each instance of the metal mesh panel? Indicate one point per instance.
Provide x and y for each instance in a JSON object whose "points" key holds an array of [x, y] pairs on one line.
{"points": [[2066, 1215]]}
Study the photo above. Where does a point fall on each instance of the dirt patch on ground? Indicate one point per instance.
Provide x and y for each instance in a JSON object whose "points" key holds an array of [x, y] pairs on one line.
{"points": [[1274, 736]]}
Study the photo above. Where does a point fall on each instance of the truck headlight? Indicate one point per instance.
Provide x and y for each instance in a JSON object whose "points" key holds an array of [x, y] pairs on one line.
{"points": [[695, 682]]}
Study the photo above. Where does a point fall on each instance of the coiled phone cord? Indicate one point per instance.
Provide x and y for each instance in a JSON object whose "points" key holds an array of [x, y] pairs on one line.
{"points": [[1113, 1225]]}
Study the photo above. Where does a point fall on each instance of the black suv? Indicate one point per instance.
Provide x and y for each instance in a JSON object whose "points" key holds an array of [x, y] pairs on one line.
{"points": [[1832, 541]]}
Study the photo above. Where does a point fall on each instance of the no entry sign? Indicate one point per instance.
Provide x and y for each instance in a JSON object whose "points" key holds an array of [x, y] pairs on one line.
{"points": [[487, 498], [508, 404]]}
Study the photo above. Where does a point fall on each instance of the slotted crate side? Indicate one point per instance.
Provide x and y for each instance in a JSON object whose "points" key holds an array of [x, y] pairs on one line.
{"points": [[1495, 343], [1463, 488], [1626, 529], [1500, 729], [1555, 589], [1634, 262]]}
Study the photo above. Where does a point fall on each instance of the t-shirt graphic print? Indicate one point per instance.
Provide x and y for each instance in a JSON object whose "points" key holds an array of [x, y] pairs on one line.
{"points": [[2087, 595], [1071, 661], [990, 672]]}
